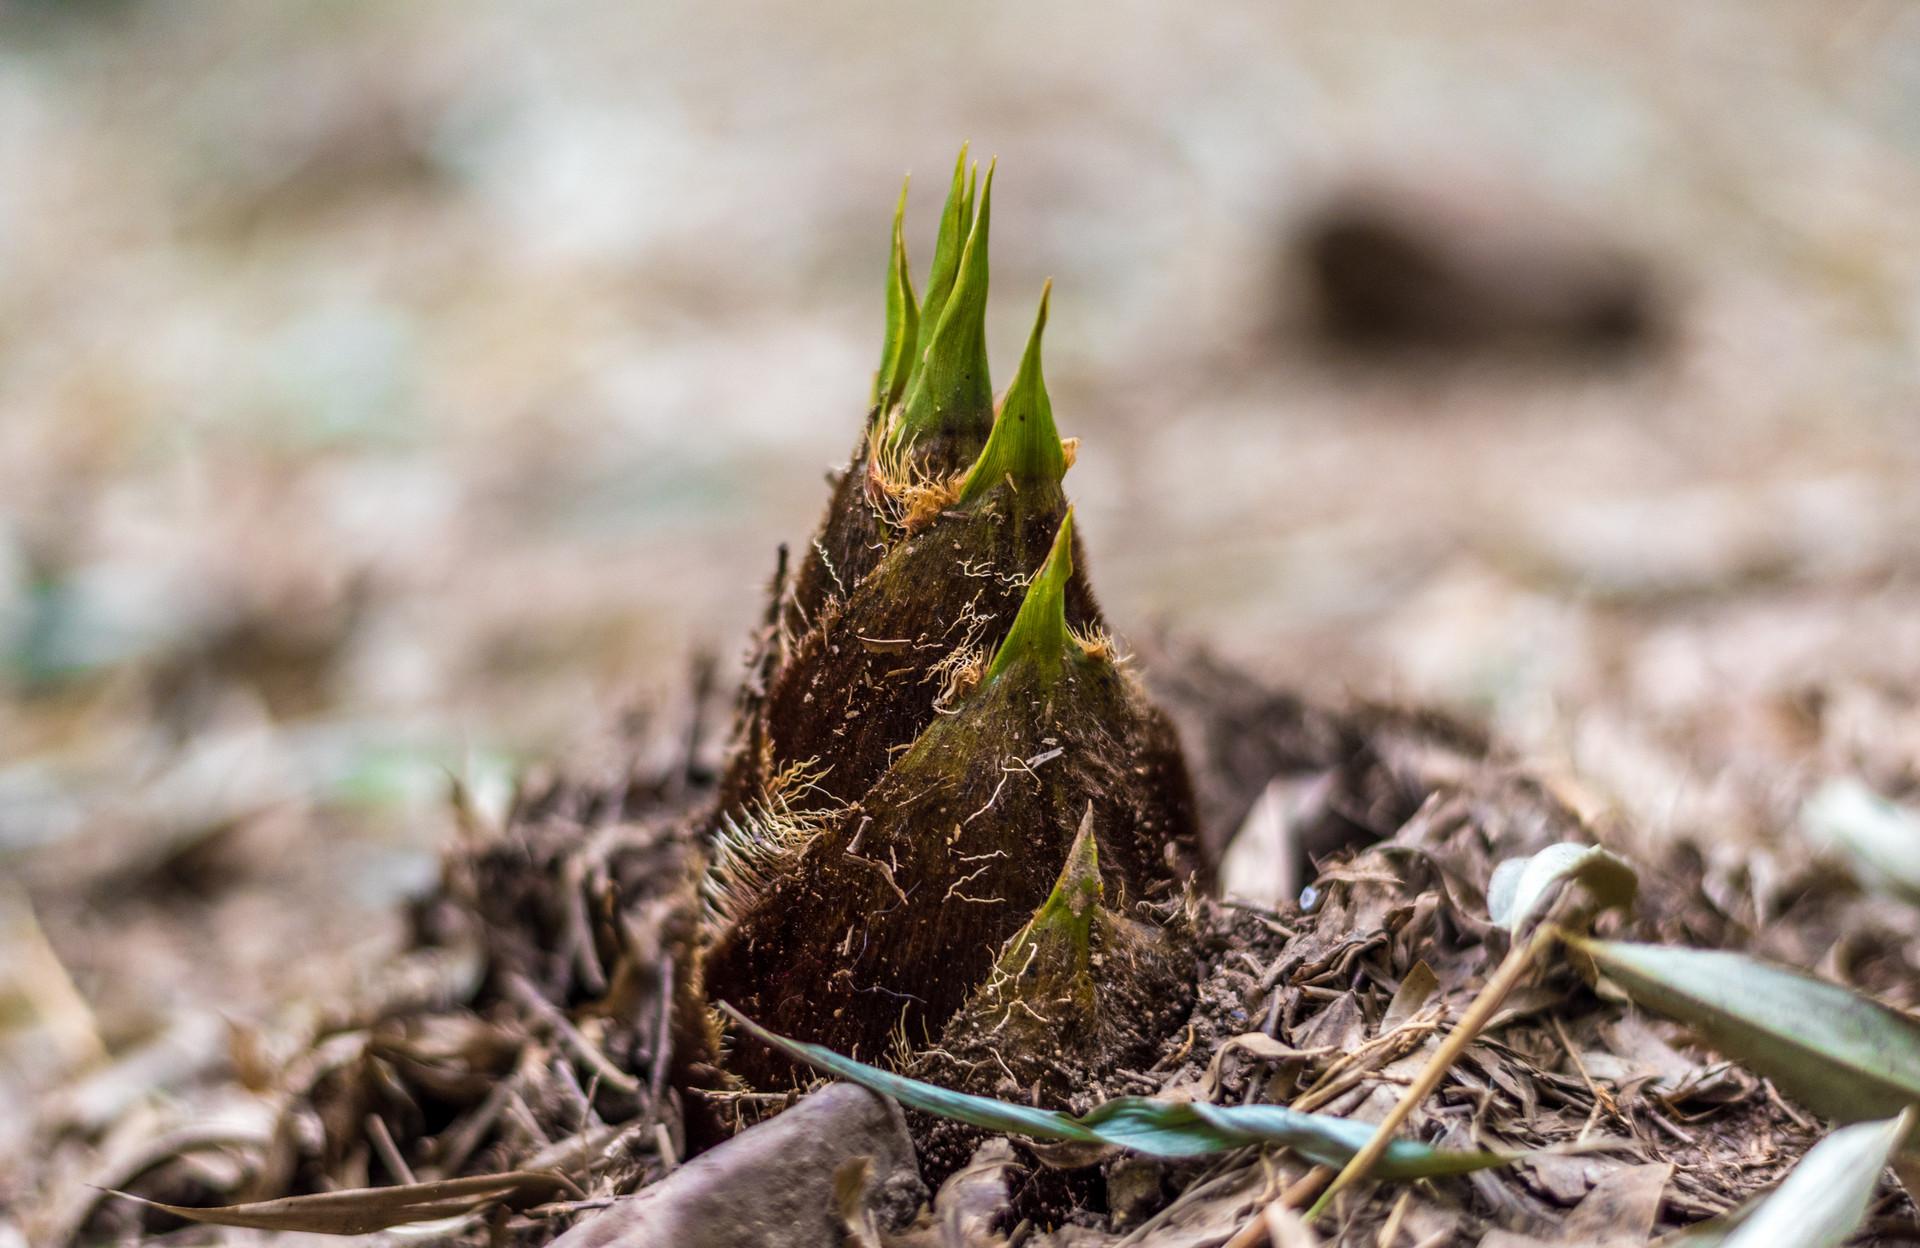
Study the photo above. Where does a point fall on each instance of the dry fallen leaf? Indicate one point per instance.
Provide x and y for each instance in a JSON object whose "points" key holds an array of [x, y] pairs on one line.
{"points": [[360, 1211]]}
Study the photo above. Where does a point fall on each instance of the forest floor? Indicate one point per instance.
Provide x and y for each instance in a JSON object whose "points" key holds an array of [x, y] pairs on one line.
{"points": [[402, 395]]}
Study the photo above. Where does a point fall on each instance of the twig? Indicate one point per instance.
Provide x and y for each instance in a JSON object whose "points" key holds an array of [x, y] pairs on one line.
{"points": [[562, 1208], [1255, 1232], [1513, 968], [1602, 1099], [1391, 1231], [579, 929], [389, 1151], [1348, 1070], [464, 1136], [662, 1040], [570, 1035]]}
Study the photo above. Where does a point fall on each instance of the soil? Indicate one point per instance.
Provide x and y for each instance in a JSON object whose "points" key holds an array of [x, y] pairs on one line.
{"points": [[571, 1049]]}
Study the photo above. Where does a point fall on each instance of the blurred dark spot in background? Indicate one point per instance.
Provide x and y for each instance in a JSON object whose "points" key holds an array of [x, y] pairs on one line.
{"points": [[1468, 269]]}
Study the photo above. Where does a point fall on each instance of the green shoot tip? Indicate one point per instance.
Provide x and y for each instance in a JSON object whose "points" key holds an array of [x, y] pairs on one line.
{"points": [[1024, 449], [950, 392], [1039, 634], [1078, 888], [956, 219], [903, 316]]}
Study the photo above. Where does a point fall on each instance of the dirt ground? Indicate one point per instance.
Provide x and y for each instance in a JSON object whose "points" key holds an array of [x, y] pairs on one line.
{"points": [[390, 394]]}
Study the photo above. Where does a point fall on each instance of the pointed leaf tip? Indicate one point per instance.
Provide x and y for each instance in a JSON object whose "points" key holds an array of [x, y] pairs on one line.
{"points": [[1522, 890], [1060, 933], [956, 221], [951, 393], [1077, 890], [1039, 633], [1024, 448], [970, 200], [903, 316]]}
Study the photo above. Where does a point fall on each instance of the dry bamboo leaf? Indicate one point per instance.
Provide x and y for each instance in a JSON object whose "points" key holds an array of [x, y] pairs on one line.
{"points": [[1522, 888], [1414, 992], [1260, 1045], [362, 1210]]}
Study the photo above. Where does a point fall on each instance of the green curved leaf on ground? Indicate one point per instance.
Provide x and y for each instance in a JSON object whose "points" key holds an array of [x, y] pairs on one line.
{"points": [[1824, 1198], [1844, 1055], [1158, 1128]]}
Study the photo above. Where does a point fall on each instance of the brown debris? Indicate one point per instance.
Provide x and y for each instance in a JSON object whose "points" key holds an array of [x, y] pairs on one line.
{"points": [[1330, 1003]]}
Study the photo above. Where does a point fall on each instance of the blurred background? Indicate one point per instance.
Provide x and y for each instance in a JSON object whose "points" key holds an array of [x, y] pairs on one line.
{"points": [[391, 393]]}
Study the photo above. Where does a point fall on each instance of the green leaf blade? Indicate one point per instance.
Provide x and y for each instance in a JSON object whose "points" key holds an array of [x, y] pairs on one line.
{"points": [[979, 1111], [1879, 839], [1844, 1055], [1825, 1198]]}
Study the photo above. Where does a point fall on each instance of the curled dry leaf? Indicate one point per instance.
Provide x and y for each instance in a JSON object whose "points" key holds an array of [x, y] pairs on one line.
{"points": [[975, 1197], [850, 1184], [1286, 1229], [1258, 1044], [1522, 889]]}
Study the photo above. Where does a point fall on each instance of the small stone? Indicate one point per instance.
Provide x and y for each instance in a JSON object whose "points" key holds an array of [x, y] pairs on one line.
{"points": [[771, 1186]]}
